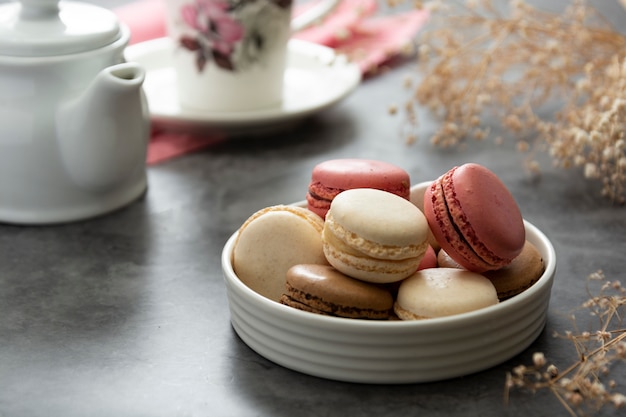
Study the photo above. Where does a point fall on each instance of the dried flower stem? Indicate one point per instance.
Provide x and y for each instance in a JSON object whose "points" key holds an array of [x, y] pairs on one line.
{"points": [[582, 385], [515, 64]]}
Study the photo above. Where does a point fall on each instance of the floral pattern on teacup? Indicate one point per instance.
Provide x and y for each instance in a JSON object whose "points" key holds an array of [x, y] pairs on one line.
{"points": [[220, 26]]}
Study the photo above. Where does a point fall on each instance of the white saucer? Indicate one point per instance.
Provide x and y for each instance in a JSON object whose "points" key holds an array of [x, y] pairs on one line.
{"points": [[315, 79]]}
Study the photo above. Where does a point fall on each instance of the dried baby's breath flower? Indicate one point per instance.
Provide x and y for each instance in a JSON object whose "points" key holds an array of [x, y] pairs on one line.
{"points": [[483, 60], [552, 371], [539, 360], [618, 400], [585, 384]]}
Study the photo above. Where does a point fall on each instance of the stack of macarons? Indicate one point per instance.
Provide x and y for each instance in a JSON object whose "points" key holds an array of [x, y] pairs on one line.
{"points": [[369, 246]]}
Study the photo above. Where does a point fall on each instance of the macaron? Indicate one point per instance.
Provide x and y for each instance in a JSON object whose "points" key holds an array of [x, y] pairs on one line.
{"points": [[519, 275], [271, 241], [474, 218], [331, 177], [323, 290], [417, 197], [441, 292], [429, 260], [445, 261], [374, 235]]}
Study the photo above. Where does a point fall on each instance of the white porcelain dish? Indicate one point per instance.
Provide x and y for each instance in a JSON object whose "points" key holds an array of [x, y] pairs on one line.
{"points": [[315, 79], [391, 352]]}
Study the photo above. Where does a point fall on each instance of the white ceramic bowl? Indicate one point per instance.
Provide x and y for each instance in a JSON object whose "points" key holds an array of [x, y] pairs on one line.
{"points": [[391, 351]]}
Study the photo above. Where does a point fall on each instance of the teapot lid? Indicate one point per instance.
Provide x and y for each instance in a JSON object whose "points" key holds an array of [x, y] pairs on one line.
{"points": [[35, 28]]}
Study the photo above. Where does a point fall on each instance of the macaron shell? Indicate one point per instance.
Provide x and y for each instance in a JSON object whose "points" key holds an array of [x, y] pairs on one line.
{"points": [[417, 198], [298, 305], [318, 199], [429, 260], [271, 241], [329, 178], [374, 235], [440, 292], [485, 212], [520, 274], [368, 217], [345, 174], [417, 194], [444, 231], [474, 218], [323, 288], [322, 193], [368, 269], [445, 261]]}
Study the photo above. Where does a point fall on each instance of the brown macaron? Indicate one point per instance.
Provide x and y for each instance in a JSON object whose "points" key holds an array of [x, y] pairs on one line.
{"points": [[520, 274], [323, 290], [512, 279]]}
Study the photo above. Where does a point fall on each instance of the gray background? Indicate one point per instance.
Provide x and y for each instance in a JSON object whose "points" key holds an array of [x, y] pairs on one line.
{"points": [[126, 314]]}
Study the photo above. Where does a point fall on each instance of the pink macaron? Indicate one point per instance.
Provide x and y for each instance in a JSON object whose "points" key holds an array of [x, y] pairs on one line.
{"points": [[474, 218], [331, 177]]}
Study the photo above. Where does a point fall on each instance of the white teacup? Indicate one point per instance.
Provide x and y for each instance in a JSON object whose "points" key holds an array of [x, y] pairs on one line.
{"points": [[230, 55]]}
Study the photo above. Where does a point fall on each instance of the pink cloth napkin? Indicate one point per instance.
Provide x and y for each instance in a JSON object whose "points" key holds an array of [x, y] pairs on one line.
{"points": [[352, 29]]}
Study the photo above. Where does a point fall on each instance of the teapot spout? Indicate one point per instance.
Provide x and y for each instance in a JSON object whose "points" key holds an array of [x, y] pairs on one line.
{"points": [[103, 133]]}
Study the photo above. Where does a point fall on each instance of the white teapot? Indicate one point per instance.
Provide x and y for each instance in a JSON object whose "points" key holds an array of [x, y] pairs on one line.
{"points": [[74, 122]]}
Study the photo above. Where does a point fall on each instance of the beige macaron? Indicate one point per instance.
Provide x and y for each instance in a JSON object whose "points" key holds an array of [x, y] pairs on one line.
{"points": [[374, 235], [441, 292], [512, 279], [271, 241]]}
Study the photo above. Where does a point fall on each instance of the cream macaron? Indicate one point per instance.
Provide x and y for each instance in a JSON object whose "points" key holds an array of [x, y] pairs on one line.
{"points": [[440, 292], [273, 240], [374, 235], [417, 197]]}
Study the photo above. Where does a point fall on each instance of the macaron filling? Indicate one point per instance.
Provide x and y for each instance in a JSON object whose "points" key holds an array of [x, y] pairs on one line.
{"points": [[319, 197], [330, 178], [318, 191], [374, 235], [356, 245], [357, 265], [307, 302], [324, 290], [464, 227], [453, 239], [475, 218]]}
